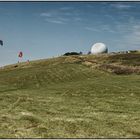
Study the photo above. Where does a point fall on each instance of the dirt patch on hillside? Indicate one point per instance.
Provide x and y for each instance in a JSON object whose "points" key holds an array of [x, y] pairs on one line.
{"points": [[120, 69]]}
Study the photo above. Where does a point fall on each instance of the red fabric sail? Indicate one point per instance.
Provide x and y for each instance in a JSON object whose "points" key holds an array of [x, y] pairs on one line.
{"points": [[20, 54]]}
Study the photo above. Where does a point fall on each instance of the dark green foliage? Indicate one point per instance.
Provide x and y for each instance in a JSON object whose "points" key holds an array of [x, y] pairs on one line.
{"points": [[72, 53]]}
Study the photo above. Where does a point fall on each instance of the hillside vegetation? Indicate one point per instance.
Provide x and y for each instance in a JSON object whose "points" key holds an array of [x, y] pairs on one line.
{"points": [[82, 96]]}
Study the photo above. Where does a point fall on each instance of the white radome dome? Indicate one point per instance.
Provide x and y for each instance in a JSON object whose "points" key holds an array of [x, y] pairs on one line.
{"points": [[99, 48]]}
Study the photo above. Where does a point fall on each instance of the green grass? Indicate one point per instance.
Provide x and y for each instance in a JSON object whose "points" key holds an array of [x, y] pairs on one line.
{"points": [[65, 98]]}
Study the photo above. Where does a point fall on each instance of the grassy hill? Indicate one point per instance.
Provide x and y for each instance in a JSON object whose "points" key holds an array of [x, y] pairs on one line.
{"points": [[71, 97]]}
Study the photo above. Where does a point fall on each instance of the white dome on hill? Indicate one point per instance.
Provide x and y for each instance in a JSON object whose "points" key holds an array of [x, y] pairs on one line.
{"points": [[98, 48]]}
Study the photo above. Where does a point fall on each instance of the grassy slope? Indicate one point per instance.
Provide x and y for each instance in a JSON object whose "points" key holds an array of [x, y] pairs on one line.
{"points": [[67, 97]]}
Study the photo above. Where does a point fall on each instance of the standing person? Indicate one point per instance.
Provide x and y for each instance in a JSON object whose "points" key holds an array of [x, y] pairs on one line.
{"points": [[20, 55]]}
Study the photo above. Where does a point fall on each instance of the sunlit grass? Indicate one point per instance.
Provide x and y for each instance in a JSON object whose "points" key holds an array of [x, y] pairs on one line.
{"points": [[64, 98]]}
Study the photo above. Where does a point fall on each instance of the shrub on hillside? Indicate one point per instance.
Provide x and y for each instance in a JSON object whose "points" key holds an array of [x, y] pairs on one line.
{"points": [[72, 53]]}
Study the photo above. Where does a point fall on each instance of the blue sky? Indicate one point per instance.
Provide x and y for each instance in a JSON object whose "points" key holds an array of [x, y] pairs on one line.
{"points": [[49, 29]]}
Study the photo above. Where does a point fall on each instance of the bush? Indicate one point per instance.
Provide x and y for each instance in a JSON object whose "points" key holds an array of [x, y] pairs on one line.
{"points": [[72, 53]]}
